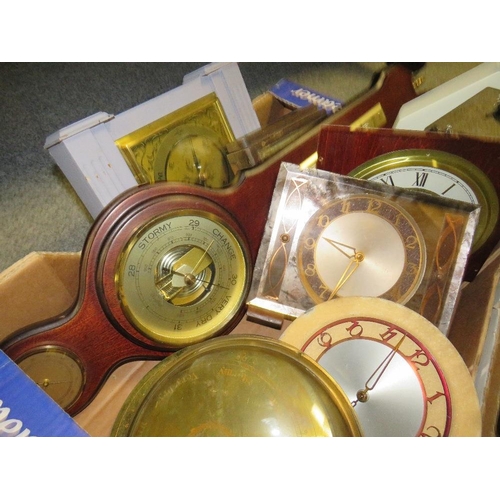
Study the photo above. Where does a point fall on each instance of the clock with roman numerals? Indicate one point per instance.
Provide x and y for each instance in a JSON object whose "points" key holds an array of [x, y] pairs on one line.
{"points": [[441, 173], [402, 375]]}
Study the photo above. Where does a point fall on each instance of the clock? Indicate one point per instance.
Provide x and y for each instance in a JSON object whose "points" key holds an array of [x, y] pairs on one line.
{"points": [[457, 167], [330, 236], [401, 374]]}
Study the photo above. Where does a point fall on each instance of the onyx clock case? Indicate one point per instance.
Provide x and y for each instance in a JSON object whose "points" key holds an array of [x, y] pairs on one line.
{"points": [[330, 235]]}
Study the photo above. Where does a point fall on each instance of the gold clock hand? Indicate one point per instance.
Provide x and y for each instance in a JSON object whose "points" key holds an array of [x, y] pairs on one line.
{"points": [[195, 157], [354, 262], [338, 245], [362, 394], [197, 164]]}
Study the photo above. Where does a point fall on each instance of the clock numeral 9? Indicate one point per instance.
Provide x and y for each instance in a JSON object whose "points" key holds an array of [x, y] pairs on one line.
{"points": [[310, 243]]}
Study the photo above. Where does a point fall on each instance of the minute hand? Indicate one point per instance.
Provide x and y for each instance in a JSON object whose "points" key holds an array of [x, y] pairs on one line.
{"points": [[362, 395]]}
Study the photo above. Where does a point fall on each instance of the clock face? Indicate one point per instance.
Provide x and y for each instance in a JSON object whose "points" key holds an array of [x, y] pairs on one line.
{"points": [[432, 179], [402, 376], [330, 236], [197, 159], [441, 173], [361, 245]]}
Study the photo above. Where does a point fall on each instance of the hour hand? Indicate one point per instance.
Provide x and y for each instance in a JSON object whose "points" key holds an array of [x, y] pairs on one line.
{"points": [[347, 250]]}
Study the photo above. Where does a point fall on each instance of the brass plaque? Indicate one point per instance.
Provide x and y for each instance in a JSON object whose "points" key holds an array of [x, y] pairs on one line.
{"points": [[202, 123]]}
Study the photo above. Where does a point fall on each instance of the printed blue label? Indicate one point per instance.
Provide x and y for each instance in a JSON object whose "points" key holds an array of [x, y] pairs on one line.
{"points": [[298, 96]]}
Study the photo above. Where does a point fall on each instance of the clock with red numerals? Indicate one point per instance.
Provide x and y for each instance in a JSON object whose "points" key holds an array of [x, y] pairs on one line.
{"points": [[401, 374]]}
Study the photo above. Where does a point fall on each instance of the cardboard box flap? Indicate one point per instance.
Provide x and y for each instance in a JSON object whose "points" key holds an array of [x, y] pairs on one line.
{"points": [[38, 287]]}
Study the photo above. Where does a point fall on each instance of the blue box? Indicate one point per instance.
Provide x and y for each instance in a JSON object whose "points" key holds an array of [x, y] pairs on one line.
{"points": [[25, 409], [297, 96]]}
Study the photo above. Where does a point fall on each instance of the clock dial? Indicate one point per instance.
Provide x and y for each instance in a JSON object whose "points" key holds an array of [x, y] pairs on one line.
{"points": [[361, 245], [195, 155], [402, 376], [55, 370], [441, 173]]}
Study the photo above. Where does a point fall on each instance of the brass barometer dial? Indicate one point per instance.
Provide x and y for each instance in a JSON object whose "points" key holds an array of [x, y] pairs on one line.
{"points": [[181, 277], [55, 370]]}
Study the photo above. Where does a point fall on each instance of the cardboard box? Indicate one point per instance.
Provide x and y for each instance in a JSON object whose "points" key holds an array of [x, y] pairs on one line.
{"points": [[57, 275], [54, 278], [475, 332]]}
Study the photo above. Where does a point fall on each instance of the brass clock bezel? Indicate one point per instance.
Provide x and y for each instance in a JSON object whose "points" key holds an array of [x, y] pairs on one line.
{"points": [[64, 355], [237, 386], [474, 178], [453, 401]]}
